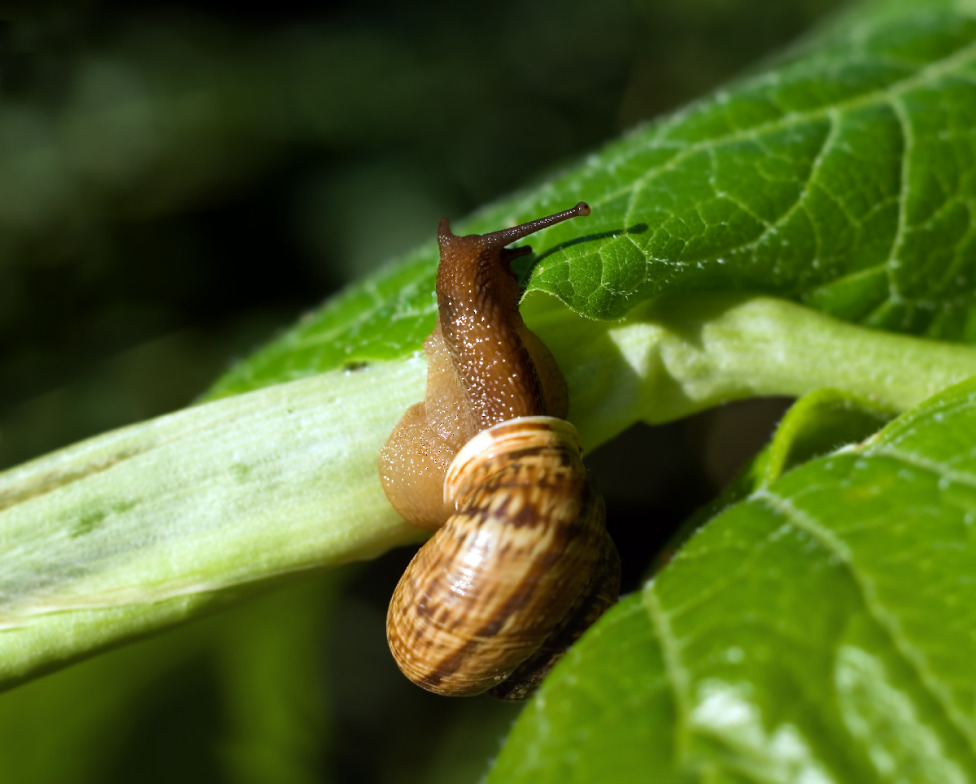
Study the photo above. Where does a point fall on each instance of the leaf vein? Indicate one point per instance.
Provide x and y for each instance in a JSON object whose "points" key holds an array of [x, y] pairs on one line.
{"points": [[913, 658], [678, 679]]}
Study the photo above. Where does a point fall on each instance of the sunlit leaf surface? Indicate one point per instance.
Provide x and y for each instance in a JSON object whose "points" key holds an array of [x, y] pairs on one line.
{"points": [[843, 178]]}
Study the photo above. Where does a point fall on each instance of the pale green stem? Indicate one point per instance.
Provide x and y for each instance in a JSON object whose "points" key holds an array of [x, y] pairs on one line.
{"points": [[136, 530], [141, 528], [676, 357]]}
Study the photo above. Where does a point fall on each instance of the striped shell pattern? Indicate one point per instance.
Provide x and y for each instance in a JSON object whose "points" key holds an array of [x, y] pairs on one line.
{"points": [[519, 570]]}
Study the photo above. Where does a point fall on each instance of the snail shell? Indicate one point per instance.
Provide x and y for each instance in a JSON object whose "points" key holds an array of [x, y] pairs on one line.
{"points": [[516, 573]]}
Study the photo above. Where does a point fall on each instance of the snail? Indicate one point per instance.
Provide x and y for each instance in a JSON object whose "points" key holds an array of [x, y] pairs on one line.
{"points": [[520, 563]]}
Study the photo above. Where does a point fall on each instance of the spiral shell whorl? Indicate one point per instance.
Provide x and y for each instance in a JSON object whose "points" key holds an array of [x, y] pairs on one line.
{"points": [[531, 438], [483, 594]]}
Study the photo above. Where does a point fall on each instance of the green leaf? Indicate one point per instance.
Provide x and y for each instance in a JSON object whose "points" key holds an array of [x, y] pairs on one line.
{"points": [[817, 423], [844, 178], [821, 629], [385, 317]]}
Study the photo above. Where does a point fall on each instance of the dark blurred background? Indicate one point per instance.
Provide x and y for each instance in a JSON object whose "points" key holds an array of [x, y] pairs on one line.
{"points": [[178, 182]]}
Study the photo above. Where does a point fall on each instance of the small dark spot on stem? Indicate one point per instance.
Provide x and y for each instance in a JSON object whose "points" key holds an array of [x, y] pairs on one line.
{"points": [[240, 471]]}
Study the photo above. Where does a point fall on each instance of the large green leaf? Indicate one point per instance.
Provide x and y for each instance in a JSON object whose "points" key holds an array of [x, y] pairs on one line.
{"points": [[822, 629], [844, 178]]}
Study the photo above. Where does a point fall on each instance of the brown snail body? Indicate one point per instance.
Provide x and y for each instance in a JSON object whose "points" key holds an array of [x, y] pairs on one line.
{"points": [[520, 563]]}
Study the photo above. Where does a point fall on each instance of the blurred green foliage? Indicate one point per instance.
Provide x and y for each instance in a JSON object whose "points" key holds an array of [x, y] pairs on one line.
{"points": [[179, 180]]}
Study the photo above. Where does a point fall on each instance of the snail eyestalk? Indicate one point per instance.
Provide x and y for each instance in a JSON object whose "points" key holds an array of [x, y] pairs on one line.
{"points": [[508, 236]]}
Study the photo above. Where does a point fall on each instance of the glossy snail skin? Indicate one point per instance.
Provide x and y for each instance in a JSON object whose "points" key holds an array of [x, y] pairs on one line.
{"points": [[520, 563]]}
